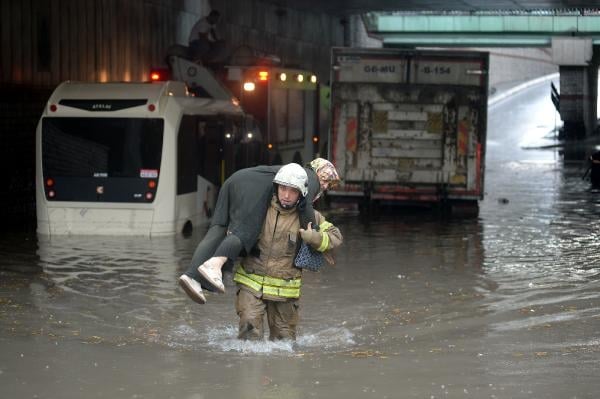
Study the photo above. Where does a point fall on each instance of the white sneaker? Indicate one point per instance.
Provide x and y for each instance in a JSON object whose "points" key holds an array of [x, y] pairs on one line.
{"points": [[212, 276], [192, 288]]}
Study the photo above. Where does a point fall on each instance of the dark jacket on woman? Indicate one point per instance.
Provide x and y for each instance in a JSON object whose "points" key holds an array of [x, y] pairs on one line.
{"points": [[245, 197]]}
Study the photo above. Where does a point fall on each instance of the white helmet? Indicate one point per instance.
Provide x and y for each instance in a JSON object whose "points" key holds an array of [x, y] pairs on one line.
{"points": [[293, 175]]}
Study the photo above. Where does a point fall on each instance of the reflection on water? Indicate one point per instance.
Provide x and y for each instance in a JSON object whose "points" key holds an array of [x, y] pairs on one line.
{"points": [[113, 289]]}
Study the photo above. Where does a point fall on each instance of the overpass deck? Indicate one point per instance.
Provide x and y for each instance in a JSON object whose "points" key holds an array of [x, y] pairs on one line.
{"points": [[482, 30]]}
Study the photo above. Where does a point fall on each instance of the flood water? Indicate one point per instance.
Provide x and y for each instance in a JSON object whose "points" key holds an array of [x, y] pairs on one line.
{"points": [[418, 306]]}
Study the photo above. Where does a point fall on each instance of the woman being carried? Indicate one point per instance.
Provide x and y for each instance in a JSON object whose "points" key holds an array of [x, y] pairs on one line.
{"points": [[237, 221]]}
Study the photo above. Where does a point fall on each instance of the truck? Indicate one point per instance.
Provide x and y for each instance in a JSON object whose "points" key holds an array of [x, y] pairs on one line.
{"points": [[285, 103], [409, 126], [282, 102]]}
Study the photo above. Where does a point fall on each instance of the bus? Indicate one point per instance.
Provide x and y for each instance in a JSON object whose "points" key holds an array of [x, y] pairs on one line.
{"points": [[285, 103], [133, 158]]}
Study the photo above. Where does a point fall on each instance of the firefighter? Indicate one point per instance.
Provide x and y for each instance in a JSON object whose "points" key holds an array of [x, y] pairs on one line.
{"points": [[268, 282], [241, 207]]}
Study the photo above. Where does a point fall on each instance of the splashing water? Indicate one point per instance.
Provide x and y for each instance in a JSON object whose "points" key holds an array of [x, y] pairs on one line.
{"points": [[224, 339]]}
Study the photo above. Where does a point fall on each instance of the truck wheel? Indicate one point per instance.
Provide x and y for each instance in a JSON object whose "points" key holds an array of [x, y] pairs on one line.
{"points": [[464, 208]]}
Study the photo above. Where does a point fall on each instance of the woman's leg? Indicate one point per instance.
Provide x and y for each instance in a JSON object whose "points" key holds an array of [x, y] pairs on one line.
{"points": [[190, 279], [206, 249], [210, 272]]}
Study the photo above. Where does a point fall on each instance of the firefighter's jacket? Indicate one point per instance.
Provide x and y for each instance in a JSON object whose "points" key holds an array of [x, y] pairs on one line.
{"points": [[269, 270]]}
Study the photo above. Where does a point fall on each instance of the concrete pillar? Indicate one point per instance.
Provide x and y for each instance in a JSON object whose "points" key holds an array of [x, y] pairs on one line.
{"points": [[574, 98], [578, 62], [592, 122]]}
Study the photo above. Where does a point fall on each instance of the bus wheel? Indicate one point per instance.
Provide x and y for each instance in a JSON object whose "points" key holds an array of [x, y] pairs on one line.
{"points": [[187, 229]]}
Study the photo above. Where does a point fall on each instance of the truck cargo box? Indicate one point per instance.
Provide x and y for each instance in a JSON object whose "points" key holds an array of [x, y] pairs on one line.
{"points": [[409, 125]]}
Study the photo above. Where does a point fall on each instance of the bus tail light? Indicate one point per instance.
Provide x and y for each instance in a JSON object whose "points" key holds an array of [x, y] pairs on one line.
{"points": [[149, 196], [50, 193], [152, 184]]}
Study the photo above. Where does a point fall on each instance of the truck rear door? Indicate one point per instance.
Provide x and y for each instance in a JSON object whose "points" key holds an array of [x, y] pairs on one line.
{"points": [[409, 125]]}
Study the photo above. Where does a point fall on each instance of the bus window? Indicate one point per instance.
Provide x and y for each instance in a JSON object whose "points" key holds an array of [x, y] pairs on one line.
{"points": [[279, 119], [187, 154], [287, 116], [210, 144], [295, 116], [82, 154], [231, 132], [250, 150]]}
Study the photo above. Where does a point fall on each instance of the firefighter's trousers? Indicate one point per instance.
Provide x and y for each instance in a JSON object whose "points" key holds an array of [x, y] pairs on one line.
{"points": [[282, 317]]}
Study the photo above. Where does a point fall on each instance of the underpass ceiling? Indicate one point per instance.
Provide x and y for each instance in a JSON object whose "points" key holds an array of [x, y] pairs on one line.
{"points": [[346, 7]]}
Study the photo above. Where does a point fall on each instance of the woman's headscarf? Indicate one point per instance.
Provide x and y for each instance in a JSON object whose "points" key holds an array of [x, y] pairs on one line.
{"points": [[325, 170]]}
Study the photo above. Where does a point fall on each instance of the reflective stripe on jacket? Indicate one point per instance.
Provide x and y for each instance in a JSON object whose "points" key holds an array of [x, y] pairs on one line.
{"points": [[323, 227], [270, 287]]}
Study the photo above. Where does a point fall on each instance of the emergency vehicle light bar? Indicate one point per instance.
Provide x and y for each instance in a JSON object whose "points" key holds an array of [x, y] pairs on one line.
{"points": [[159, 74]]}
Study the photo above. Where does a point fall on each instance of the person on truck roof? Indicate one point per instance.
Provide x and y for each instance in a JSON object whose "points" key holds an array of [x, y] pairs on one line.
{"points": [[238, 218], [204, 42]]}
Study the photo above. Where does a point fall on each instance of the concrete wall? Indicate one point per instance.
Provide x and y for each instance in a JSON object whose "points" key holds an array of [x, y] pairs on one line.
{"points": [[44, 43], [357, 35], [299, 38], [519, 64]]}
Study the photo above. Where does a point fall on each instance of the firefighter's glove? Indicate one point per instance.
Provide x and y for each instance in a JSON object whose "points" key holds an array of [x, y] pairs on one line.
{"points": [[311, 237]]}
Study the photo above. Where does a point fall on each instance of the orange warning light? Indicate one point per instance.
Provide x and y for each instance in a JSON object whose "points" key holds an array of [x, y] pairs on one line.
{"points": [[263, 76]]}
